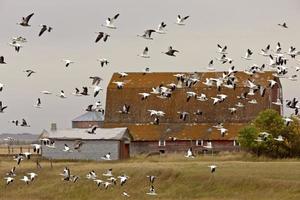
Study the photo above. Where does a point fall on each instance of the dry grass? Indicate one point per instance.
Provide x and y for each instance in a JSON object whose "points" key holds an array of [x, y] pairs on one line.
{"points": [[178, 178]]}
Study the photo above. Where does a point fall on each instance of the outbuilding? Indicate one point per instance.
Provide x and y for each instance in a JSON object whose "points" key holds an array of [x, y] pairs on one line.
{"points": [[115, 141]]}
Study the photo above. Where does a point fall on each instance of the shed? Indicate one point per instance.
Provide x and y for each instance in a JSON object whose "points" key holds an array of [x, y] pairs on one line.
{"points": [[105, 140]]}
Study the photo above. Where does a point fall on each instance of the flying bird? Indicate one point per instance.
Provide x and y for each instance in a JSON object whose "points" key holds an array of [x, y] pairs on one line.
{"points": [[24, 123], [160, 28], [29, 72], [103, 61], [248, 55], [181, 20], [109, 23], [96, 80], [44, 28], [144, 54], [38, 103], [147, 34], [283, 25], [9, 180], [171, 51], [101, 35], [93, 129], [2, 108], [222, 50], [2, 60], [67, 62], [212, 168], [106, 156], [25, 20]]}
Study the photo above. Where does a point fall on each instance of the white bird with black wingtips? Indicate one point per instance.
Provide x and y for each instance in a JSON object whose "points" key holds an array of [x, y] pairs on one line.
{"points": [[160, 28], [109, 23], [181, 20], [68, 62], [38, 103], [144, 54], [147, 34], [9, 180], [248, 55]]}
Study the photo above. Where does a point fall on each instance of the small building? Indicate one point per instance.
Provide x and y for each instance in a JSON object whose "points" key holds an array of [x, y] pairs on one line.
{"points": [[94, 146], [88, 119]]}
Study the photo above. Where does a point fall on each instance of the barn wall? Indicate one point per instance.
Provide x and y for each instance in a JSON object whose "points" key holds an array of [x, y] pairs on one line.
{"points": [[86, 124], [90, 150], [144, 147]]}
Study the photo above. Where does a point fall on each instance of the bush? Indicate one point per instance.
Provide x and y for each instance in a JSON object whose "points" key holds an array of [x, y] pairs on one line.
{"points": [[271, 122]]}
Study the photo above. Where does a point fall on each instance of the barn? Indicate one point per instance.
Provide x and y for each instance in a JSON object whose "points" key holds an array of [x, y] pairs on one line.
{"points": [[94, 146], [88, 119], [173, 133]]}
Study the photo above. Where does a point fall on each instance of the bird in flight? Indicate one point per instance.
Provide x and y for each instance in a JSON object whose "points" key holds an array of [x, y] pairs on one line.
{"points": [[29, 72], [2, 108], [103, 61], [25, 20], [181, 20], [147, 34], [171, 51], [283, 25], [2, 60], [109, 23], [67, 62], [160, 28], [44, 28], [101, 35]]}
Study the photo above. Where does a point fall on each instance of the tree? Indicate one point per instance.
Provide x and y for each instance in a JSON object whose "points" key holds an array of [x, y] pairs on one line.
{"points": [[259, 136]]}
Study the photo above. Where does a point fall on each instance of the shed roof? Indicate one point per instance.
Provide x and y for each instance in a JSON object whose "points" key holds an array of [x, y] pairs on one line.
{"points": [[181, 131], [100, 134], [90, 116]]}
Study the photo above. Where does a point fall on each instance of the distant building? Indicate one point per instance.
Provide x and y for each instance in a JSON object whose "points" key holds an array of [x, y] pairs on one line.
{"points": [[173, 133], [109, 140], [88, 120]]}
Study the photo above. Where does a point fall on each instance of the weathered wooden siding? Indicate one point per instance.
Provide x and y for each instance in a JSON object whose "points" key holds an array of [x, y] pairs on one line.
{"points": [[86, 124], [144, 147], [90, 150]]}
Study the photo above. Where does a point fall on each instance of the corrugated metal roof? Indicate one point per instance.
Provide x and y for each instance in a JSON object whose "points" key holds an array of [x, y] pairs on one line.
{"points": [[205, 131], [90, 116], [100, 134]]}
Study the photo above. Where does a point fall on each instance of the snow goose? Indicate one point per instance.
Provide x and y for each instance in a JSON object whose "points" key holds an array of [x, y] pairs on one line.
{"points": [[160, 28], [109, 23], [25, 20], [180, 20]]}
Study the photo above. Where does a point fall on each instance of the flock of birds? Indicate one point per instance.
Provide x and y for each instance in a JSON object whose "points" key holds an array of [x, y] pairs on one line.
{"points": [[278, 62]]}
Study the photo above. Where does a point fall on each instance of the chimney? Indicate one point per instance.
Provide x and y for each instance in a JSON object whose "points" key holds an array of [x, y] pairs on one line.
{"points": [[53, 127]]}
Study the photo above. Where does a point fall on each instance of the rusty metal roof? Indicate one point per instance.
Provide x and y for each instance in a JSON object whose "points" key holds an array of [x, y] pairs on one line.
{"points": [[203, 131]]}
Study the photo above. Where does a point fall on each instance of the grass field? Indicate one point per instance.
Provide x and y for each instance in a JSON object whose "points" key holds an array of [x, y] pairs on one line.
{"points": [[237, 177]]}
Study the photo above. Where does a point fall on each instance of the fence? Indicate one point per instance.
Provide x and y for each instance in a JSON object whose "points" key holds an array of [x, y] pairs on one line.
{"points": [[16, 149]]}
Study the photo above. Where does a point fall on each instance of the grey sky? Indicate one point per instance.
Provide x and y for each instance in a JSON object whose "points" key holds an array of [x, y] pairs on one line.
{"points": [[238, 24]]}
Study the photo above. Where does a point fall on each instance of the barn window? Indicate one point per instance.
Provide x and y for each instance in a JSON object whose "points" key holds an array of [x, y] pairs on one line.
{"points": [[199, 142], [161, 143]]}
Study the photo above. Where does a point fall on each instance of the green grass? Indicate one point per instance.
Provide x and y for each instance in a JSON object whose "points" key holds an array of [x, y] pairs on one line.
{"points": [[238, 177]]}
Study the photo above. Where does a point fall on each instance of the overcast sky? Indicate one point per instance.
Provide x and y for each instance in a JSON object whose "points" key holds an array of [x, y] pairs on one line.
{"points": [[236, 23]]}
